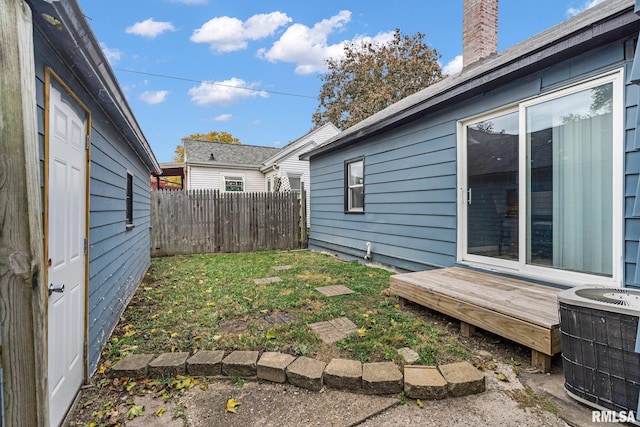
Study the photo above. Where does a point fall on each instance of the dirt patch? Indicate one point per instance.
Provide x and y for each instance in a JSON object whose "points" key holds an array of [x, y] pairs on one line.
{"points": [[482, 344], [234, 326]]}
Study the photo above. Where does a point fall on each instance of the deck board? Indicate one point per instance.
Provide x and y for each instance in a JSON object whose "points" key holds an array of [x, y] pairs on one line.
{"points": [[517, 298], [522, 311]]}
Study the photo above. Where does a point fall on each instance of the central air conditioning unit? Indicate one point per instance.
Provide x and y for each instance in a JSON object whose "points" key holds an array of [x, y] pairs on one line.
{"points": [[601, 347]]}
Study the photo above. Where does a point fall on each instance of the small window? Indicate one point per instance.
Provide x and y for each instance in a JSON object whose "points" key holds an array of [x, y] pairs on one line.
{"points": [[354, 185], [129, 207], [295, 182], [269, 185], [234, 183]]}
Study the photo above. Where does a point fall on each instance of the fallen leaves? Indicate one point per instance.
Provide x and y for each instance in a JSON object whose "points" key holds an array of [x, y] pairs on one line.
{"points": [[502, 377], [134, 411], [231, 405]]}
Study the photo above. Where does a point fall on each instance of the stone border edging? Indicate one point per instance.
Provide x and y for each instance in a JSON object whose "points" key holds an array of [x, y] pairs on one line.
{"points": [[418, 382]]}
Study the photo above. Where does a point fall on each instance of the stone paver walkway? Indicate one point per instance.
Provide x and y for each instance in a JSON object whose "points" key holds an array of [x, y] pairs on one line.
{"points": [[334, 330], [334, 290], [282, 267], [266, 280]]}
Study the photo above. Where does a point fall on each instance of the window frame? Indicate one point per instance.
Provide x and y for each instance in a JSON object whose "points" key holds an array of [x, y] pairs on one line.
{"points": [[129, 201], [234, 178], [520, 266], [348, 208], [298, 190]]}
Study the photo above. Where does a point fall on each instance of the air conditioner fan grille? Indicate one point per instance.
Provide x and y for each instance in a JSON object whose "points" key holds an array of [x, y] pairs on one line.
{"points": [[620, 297]]}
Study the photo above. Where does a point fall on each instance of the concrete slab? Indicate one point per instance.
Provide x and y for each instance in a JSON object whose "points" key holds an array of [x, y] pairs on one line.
{"points": [[306, 373], [343, 374], [132, 366], [463, 378], [334, 290], [424, 382], [280, 405], [334, 330], [282, 267], [272, 366], [168, 365], [266, 280], [343, 324], [205, 363], [241, 363], [381, 378], [150, 417]]}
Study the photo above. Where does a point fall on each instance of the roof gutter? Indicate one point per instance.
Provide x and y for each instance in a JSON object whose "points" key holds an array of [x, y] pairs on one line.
{"points": [[98, 77], [575, 35], [224, 165]]}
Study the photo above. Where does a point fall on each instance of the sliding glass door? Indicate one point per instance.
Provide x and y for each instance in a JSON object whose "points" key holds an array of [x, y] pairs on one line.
{"points": [[570, 181], [541, 184], [492, 187]]}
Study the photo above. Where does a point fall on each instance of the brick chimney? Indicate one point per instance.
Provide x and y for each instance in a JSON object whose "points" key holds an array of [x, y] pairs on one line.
{"points": [[479, 30]]}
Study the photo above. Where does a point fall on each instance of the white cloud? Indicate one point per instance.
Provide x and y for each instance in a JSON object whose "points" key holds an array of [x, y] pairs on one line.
{"points": [[154, 97], [573, 11], [453, 67], [113, 55], [308, 47], [150, 28], [223, 118], [255, 122], [227, 34], [226, 92]]}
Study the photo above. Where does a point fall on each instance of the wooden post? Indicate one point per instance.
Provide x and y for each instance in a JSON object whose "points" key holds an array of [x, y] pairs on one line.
{"points": [[303, 217], [540, 361], [22, 289], [466, 329]]}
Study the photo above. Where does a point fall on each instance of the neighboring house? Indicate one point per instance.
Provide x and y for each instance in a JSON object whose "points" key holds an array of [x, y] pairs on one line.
{"points": [[250, 168], [225, 167], [527, 162], [95, 165], [286, 169]]}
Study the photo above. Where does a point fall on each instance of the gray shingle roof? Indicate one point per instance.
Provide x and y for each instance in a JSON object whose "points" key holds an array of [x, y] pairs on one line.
{"points": [[225, 153]]}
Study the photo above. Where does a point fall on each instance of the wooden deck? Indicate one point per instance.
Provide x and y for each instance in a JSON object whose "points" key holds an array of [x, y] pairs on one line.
{"points": [[521, 311]]}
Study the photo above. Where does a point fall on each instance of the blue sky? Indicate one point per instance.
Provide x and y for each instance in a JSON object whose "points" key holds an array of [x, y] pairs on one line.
{"points": [[206, 49]]}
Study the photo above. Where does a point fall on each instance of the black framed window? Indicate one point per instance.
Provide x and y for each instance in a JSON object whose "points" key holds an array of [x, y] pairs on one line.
{"points": [[129, 208], [354, 185]]}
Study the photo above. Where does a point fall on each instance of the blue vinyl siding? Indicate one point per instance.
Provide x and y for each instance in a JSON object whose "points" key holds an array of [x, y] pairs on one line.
{"points": [[410, 176], [118, 258]]}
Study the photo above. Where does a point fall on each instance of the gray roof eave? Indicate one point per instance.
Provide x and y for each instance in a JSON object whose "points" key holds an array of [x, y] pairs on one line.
{"points": [[225, 165], [78, 47], [597, 25]]}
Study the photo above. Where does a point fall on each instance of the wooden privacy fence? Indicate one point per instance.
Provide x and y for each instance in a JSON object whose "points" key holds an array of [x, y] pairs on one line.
{"points": [[206, 221]]}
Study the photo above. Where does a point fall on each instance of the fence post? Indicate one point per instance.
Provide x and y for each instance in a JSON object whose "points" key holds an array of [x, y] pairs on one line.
{"points": [[303, 216]]}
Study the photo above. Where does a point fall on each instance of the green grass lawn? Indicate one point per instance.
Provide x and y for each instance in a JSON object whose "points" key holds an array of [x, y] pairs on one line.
{"points": [[189, 303]]}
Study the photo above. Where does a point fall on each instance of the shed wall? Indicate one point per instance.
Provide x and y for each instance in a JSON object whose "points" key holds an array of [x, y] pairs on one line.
{"points": [[118, 258]]}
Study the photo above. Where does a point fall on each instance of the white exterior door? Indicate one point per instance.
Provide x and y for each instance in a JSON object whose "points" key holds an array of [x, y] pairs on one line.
{"points": [[66, 210]]}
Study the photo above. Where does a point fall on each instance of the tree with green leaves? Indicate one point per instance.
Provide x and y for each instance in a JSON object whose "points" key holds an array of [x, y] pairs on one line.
{"points": [[372, 76], [213, 136]]}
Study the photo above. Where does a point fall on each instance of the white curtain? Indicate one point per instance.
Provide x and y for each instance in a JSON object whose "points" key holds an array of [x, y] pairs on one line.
{"points": [[583, 194]]}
